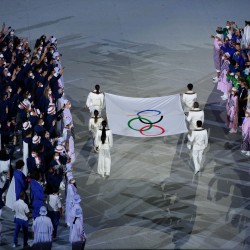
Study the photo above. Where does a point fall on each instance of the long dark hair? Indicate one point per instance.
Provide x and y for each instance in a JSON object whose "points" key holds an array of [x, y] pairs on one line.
{"points": [[97, 88], [103, 136], [96, 113]]}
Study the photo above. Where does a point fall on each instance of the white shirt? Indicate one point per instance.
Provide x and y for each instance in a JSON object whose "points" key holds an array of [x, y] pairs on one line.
{"points": [[54, 202], [188, 99], [108, 142], [21, 209], [195, 115], [93, 127], [95, 101], [198, 138]]}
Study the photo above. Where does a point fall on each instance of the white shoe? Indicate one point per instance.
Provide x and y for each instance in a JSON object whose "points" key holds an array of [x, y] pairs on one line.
{"points": [[233, 131], [215, 78]]}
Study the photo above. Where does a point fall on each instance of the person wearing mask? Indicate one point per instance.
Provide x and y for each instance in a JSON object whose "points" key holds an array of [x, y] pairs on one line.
{"points": [[103, 143]]}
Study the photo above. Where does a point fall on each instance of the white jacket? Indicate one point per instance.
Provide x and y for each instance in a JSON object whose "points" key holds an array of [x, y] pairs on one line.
{"points": [[188, 100], [108, 142], [195, 115], [95, 101], [198, 139]]}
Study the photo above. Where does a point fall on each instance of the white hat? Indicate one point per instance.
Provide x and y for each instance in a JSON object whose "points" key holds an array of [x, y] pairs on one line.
{"points": [[43, 210], [77, 198], [227, 54], [36, 139], [25, 104], [27, 125], [59, 149], [51, 110], [55, 54], [232, 74], [52, 39], [234, 89]]}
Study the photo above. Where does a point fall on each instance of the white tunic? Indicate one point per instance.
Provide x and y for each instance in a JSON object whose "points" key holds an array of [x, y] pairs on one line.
{"points": [[188, 100], [42, 228], [93, 127], [76, 233], [95, 101], [104, 159], [198, 139], [25, 156], [195, 115]]}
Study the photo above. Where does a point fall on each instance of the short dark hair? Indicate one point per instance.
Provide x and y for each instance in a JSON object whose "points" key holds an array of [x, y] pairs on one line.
{"points": [[19, 164], [196, 105], [199, 123], [22, 196], [190, 86]]}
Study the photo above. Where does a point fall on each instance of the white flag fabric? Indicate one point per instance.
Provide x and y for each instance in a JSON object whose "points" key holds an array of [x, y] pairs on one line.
{"points": [[145, 117]]}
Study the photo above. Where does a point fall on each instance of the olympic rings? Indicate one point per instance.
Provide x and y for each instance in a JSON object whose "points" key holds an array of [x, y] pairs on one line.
{"points": [[142, 130], [149, 123], [136, 118]]}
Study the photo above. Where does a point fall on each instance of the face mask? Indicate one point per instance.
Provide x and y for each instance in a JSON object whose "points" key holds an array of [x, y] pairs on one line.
{"points": [[52, 51], [41, 48], [29, 96], [33, 77], [57, 157], [4, 49], [33, 154], [26, 60], [41, 86], [50, 92], [25, 64], [56, 74], [246, 71], [227, 27], [10, 90], [246, 115], [8, 74], [236, 77], [223, 58], [42, 123]]}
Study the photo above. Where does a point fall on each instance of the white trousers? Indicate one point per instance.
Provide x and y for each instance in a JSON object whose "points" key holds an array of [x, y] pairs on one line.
{"points": [[197, 158]]}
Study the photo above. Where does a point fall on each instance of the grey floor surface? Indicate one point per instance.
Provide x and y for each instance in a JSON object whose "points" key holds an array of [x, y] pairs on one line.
{"points": [[146, 48]]}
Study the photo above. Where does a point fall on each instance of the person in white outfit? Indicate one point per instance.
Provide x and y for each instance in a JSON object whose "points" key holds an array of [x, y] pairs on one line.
{"points": [[198, 139], [95, 123], [103, 143], [95, 100], [188, 98], [43, 229], [194, 115]]}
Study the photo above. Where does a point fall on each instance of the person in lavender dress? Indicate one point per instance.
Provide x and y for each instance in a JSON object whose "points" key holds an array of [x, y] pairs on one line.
{"points": [[232, 110], [245, 142]]}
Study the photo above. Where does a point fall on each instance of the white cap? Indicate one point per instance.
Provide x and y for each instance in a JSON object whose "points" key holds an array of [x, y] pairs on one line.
{"points": [[55, 54], [52, 39]]}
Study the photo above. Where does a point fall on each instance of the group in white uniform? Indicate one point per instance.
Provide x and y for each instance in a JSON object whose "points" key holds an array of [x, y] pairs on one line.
{"points": [[197, 136]]}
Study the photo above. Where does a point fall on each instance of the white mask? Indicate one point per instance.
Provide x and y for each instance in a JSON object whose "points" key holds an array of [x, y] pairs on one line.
{"points": [[8, 74], [42, 123], [227, 27], [236, 76], [41, 85], [29, 96], [50, 92], [246, 115], [223, 57], [10, 90], [33, 154], [57, 157]]}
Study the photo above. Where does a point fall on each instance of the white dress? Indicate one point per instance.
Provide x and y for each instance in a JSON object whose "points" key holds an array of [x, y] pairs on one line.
{"points": [[104, 159], [95, 101], [42, 228], [71, 191], [93, 127]]}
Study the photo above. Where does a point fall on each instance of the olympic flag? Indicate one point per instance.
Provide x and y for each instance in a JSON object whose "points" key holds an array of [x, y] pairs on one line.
{"points": [[145, 117]]}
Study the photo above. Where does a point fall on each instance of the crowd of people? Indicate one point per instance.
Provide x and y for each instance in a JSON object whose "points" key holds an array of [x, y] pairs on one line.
{"points": [[232, 64], [36, 122]]}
